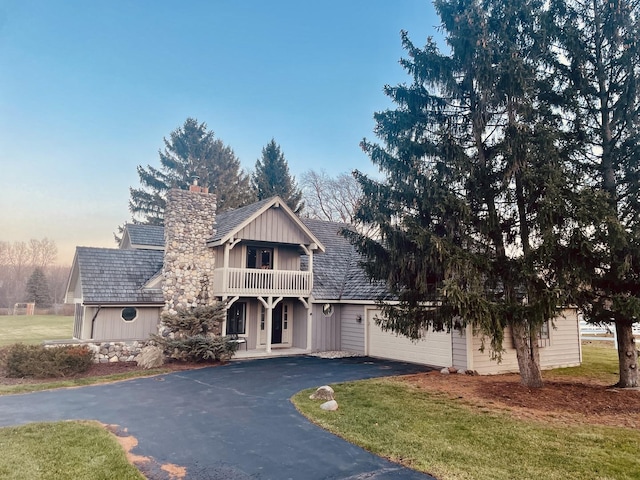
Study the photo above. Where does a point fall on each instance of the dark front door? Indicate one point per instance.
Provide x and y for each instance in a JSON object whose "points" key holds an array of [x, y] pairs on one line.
{"points": [[276, 324]]}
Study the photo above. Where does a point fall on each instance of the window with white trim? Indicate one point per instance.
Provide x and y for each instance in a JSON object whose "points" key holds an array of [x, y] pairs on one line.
{"points": [[129, 314]]}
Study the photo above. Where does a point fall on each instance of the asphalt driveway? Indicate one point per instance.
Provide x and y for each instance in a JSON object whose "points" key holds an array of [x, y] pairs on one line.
{"points": [[226, 423]]}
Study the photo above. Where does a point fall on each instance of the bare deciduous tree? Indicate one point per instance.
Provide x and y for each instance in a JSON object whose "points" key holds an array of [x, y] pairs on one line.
{"points": [[334, 199]]}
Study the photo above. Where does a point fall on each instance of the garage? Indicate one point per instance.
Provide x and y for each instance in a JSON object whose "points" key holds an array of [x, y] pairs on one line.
{"points": [[433, 349]]}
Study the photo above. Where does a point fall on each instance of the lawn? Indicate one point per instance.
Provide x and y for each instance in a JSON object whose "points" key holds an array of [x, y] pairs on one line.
{"points": [[33, 329], [53, 451], [452, 438], [600, 363]]}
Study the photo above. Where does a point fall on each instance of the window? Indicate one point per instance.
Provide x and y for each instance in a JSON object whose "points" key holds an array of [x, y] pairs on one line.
{"points": [[262, 315], [258, 257], [285, 316], [544, 338], [129, 314], [236, 322]]}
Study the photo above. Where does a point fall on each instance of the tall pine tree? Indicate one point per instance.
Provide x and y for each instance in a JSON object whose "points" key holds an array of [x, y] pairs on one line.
{"points": [[472, 209], [598, 67], [272, 177], [191, 150], [37, 290]]}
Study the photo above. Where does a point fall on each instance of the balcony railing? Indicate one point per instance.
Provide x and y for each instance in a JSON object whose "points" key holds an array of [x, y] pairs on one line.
{"points": [[250, 281]]}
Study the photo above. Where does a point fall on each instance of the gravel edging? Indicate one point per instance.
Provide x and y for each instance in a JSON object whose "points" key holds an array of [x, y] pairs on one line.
{"points": [[336, 354]]}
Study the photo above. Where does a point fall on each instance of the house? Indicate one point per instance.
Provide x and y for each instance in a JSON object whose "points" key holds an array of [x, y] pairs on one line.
{"points": [[290, 284]]}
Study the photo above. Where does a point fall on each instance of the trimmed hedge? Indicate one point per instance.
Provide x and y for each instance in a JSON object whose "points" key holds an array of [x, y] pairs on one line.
{"points": [[40, 362]]}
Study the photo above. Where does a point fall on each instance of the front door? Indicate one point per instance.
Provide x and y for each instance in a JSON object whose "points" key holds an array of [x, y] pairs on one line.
{"points": [[276, 324]]}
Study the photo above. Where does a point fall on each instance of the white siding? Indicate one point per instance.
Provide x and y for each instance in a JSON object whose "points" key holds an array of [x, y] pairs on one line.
{"points": [[563, 349], [433, 349], [459, 349], [352, 330]]}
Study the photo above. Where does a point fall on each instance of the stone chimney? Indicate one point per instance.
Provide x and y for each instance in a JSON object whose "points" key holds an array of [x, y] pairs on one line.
{"points": [[188, 262]]}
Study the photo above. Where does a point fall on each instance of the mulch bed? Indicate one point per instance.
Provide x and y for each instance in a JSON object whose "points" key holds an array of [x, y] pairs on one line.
{"points": [[569, 401]]}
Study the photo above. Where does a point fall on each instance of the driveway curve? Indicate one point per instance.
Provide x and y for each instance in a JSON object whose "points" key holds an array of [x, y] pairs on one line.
{"points": [[231, 422]]}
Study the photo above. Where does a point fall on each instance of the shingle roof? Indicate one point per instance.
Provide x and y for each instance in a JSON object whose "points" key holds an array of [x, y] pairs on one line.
{"points": [[150, 235], [227, 221], [110, 275], [337, 274]]}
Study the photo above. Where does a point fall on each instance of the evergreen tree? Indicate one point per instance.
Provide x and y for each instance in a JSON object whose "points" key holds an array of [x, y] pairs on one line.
{"points": [[599, 68], [272, 177], [37, 290], [191, 150], [472, 209]]}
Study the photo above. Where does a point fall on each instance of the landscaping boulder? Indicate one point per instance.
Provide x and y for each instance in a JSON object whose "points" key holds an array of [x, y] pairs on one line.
{"points": [[322, 393], [330, 406], [445, 371]]}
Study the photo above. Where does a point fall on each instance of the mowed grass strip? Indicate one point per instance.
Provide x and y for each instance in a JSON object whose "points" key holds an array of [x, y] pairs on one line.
{"points": [[79, 382], [54, 451], [452, 440], [33, 329]]}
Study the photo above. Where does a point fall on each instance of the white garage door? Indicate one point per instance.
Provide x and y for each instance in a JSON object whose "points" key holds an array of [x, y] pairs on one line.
{"points": [[433, 349]]}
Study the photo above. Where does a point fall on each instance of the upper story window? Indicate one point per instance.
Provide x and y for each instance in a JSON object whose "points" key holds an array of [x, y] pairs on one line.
{"points": [[260, 257]]}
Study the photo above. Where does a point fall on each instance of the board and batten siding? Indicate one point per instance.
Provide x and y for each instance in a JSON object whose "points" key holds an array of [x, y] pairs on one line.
{"points": [[326, 330], [564, 348], [109, 324], [286, 258], [351, 330], [273, 226], [299, 338]]}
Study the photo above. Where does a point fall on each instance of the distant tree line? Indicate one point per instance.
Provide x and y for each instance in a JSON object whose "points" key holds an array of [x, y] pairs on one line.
{"points": [[28, 273]]}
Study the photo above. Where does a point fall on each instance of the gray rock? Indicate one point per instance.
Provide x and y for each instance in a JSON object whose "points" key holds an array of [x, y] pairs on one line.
{"points": [[322, 393], [330, 406], [445, 371]]}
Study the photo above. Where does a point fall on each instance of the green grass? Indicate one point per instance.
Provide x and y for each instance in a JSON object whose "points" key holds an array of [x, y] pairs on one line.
{"points": [[431, 433], [78, 382], [63, 450], [453, 440], [600, 362], [33, 329]]}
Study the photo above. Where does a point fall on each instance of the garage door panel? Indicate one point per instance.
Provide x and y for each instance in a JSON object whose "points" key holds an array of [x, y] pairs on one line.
{"points": [[433, 349]]}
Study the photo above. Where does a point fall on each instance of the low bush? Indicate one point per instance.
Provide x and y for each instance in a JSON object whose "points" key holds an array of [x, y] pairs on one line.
{"points": [[37, 361], [151, 356], [200, 348]]}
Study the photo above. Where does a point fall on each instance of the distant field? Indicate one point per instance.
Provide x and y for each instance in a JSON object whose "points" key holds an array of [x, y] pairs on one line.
{"points": [[34, 329]]}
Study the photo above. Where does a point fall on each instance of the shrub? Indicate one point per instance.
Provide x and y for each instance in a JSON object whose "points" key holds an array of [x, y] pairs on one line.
{"points": [[193, 335], [151, 356], [200, 348], [41, 362]]}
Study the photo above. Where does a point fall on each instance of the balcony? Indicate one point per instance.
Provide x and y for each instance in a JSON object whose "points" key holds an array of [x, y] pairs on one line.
{"points": [[256, 282]]}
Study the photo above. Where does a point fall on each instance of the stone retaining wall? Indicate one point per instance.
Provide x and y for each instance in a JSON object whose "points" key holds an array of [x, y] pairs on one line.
{"points": [[110, 352]]}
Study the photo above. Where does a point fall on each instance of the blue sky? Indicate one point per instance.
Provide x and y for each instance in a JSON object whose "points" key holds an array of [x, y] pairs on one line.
{"points": [[88, 90]]}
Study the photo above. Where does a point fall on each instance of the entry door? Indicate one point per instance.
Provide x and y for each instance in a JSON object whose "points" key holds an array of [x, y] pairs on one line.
{"points": [[276, 324], [281, 324]]}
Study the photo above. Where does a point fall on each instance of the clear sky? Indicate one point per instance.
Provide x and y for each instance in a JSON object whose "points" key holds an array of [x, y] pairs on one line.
{"points": [[89, 88]]}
